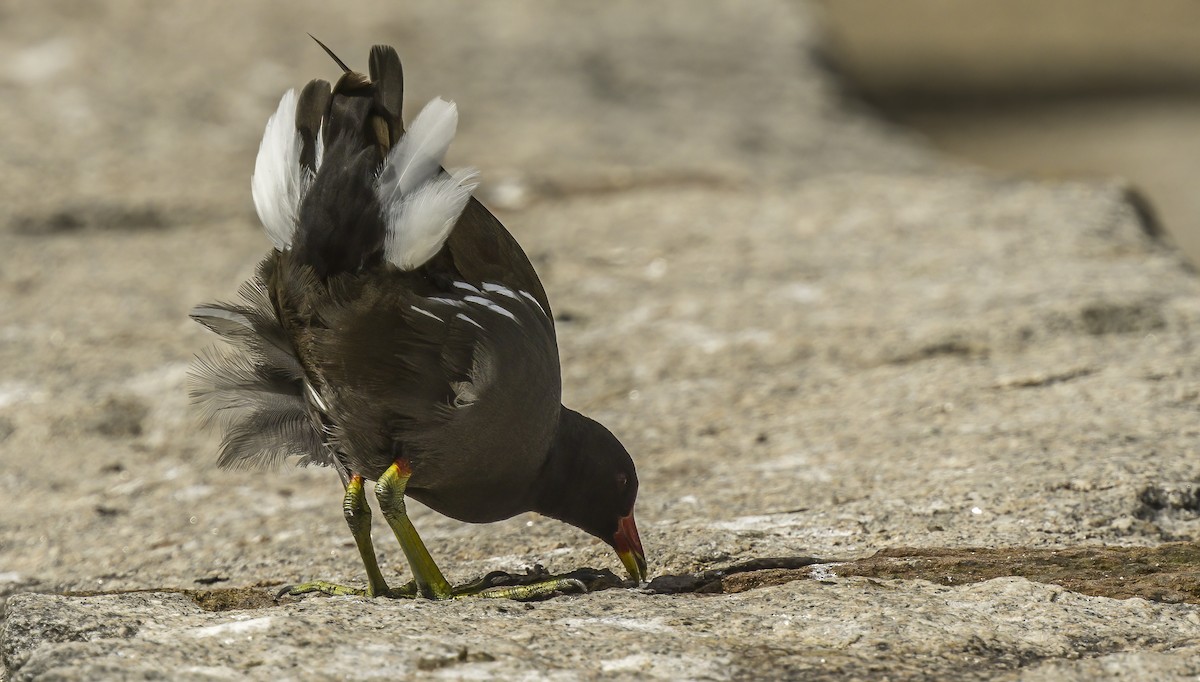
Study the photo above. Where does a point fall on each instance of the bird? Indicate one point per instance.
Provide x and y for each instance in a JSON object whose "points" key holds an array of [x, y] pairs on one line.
{"points": [[397, 333]]}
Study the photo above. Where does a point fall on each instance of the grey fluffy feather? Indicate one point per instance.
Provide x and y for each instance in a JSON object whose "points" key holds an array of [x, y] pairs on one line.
{"points": [[255, 389]]}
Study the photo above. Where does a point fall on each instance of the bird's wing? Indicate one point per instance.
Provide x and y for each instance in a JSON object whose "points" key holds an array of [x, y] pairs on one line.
{"points": [[406, 369], [394, 365]]}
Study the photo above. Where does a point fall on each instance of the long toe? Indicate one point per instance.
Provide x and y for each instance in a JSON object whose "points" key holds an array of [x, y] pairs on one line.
{"points": [[321, 587], [534, 591]]}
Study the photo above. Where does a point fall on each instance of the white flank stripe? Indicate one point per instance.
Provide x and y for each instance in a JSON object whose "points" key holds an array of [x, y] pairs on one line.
{"points": [[533, 300], [446, 301], [464, 317], [490, 306], [425, 312], [316, 397], [498, 289]]}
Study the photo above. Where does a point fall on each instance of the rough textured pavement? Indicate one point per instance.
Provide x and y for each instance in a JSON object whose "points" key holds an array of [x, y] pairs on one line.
{"points": [[817, 339]]}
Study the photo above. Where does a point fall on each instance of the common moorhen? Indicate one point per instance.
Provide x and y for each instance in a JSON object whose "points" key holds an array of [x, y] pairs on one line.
{"points": [[398, 333]]}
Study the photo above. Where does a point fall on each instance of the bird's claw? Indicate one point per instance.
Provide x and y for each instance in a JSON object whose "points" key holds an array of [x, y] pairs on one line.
{"points": [[407, 591], [479, 588], [321, 586], [533, 591]]}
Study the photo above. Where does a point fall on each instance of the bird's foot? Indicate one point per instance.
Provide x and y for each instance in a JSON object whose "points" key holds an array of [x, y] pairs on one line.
{"points": [[406, 591], [536, 584], [532, 591], [322, 587], [488, 587]]}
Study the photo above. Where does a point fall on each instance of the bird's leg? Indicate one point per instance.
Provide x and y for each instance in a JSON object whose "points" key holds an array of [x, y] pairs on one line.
{"points": [[358, 517], [430, 582], [389, 490]]}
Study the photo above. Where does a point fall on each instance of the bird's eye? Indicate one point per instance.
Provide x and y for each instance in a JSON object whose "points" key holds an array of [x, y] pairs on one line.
{"points": [[622, 480]]}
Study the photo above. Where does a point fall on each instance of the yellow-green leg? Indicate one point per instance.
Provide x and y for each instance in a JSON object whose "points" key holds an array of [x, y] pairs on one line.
{"points": [[358, 517], [430, 582], [389, 490]]}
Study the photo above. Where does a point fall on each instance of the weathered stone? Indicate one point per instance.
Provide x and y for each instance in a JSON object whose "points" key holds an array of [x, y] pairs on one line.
{"points": [[816, 339]]}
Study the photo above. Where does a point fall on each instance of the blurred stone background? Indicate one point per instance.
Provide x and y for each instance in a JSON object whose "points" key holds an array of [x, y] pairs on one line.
{"points": [[1065, 88], [898, 413]]}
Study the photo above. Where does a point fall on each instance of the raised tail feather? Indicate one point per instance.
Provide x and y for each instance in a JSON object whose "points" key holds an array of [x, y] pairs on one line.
{"points": [[339, 181], [420, 202], [279, 184]]}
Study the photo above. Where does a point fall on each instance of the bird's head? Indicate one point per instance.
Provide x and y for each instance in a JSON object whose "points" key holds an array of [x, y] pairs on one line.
{"points": [[590, 482]]}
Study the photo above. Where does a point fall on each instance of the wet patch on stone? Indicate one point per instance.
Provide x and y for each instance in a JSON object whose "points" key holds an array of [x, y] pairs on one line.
{"points": [[231, 598], [119, 416], [1178, 499], [954, 345], [1041, 379], [1166, 573], [761, 572], [1170, 508], [464, 655], [221, 599], [105, 216], [1108, 317]]}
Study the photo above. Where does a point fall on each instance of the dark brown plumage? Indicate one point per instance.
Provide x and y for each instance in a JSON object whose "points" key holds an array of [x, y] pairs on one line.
{"points": [[398, 327]]}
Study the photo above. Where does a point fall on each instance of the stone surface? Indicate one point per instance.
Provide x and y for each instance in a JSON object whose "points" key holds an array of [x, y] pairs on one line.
{"points": [[833, 629], [817, 339]]}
